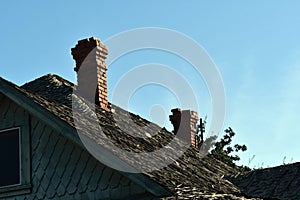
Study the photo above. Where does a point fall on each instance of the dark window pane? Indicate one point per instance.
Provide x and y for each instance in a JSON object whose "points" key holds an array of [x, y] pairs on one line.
{"points": [[9, 157]]}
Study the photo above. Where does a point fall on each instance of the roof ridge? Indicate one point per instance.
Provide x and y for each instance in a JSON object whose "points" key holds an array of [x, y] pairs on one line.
{"points": [[48, 76], [189, 170]]}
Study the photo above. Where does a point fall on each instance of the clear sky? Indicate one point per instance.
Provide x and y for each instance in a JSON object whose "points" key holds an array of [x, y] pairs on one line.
{"points": [[255, 45]]}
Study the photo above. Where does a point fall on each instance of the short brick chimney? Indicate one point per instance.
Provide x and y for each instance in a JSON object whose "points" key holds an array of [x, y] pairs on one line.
{"points": [[185, 125], [90, 55]]}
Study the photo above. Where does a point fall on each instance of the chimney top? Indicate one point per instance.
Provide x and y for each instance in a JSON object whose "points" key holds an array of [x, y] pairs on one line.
{"points": [[84, 47], [90, 55], [185, 124], [176, 110]]}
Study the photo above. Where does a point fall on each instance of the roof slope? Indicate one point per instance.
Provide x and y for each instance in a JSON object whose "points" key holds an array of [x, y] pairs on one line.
{"points": [[186, 177], [282, 182]]}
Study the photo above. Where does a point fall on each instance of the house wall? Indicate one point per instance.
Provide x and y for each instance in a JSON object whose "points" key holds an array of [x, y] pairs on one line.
{"points": [[62, 170]]}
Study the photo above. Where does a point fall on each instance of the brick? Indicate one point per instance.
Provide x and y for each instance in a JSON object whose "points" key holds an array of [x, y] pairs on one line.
{"points": [[94, 66], [189, 120]]}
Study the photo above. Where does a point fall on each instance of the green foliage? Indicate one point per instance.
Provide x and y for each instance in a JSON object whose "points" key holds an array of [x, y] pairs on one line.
{"points": [[207, 144], [223, 151]]}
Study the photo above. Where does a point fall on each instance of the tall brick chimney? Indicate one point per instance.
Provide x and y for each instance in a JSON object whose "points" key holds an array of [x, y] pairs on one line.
{"points": [[184, 123], [90, 55]]}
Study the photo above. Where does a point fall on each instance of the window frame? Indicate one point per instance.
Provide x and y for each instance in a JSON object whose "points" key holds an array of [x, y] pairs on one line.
{"points": [[24, 186], [20, 156]]}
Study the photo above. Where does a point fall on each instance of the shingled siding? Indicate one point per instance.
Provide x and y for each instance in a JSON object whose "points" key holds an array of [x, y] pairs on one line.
{"points": [[63, 170], [12, 117]]}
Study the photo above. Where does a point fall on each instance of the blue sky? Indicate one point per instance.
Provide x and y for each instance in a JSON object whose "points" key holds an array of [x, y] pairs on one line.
{"points": [[255, 45]]}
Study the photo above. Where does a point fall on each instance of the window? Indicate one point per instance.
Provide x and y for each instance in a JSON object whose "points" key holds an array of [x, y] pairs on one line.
{"points": [[10, 157], [14, 160]]}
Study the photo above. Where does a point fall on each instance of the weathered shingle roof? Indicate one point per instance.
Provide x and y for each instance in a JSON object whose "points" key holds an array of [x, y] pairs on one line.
{"points": [[187, 177], [282, 182]]}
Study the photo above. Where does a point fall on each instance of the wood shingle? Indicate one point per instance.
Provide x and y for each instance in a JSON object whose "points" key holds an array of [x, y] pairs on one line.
{"points": [[63, 169], [188, 171]]}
